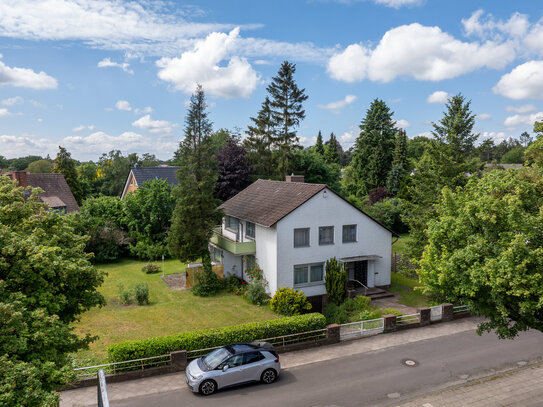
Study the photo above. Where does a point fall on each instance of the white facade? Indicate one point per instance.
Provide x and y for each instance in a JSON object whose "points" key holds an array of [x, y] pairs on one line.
{"points": [[277, 257]]}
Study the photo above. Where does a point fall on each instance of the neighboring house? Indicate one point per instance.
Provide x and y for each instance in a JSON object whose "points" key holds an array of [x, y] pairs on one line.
{"points": [[138, 175], [291, 228], [56, 192]]}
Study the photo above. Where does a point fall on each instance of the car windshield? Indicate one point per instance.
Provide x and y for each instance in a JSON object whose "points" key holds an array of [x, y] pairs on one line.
{"points": [[215, 358]]}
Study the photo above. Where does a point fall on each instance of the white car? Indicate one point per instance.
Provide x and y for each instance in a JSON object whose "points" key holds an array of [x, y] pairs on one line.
{"points": [[232, 365]]}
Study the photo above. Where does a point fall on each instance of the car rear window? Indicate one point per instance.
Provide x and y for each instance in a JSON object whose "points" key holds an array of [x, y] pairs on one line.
{"points": [[252, 357]]}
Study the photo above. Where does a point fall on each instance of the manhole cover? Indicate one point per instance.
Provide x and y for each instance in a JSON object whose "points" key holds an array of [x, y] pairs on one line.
{"points": [[410, 362]]}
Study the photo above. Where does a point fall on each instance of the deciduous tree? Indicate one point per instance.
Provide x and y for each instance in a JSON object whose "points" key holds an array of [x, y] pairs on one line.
{"points": [[233, 170], [65, 165]]}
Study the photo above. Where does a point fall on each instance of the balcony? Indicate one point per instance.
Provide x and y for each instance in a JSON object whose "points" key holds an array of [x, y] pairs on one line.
{"points": [[237, 248]]}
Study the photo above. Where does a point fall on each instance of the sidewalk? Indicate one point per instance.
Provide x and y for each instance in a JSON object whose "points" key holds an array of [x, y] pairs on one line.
{"points": [[519, 387], [157, 384]]}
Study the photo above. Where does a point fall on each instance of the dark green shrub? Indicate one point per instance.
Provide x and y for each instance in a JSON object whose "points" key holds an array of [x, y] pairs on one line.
{"points": [[257, 293], [150, 268], [149, 250], [215, 337], [335, 281], [125, 295], [361, 302], [369, 314], [207, 282], [287, 301], [391, 311], [336, 314], [141, 293], [232, 283]]}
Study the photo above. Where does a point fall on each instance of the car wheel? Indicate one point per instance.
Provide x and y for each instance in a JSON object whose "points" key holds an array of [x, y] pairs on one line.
{"points": [[207, 387], [268, 376]]}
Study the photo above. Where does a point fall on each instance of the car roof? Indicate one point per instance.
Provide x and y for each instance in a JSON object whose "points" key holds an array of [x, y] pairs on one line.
{"points": [[248, 347]]}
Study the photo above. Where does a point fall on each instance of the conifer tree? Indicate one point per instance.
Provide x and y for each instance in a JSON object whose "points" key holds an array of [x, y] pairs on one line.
{"points": [[65, 165], [287, 112], [260, 141], [195, 214], [399, 164], [319, 147], [331, 154], [373, 150]]}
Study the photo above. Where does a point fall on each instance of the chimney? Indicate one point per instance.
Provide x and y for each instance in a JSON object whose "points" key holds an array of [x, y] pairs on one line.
{"points": [[20, 177], [294, 178]]}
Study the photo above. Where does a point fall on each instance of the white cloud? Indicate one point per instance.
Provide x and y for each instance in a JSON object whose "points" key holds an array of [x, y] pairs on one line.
{"points": [[521, 109], [5, 112], [25, 144], [123, 105], [348, 137], [497, 137], [78, 128], [484, 116], [25, 77], [398, 3], [307, 141], [523, 119], [340, 104], [421, 52], [403, 124], [523, 82], [161, 127], [201, 65], [427, 134], [39, 119], [145, 110], [37, 104], [485, 27], [438, 97], [107, 63], [12, 101]]}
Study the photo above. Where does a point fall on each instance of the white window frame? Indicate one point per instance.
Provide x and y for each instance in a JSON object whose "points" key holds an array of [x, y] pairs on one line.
{"points": [[333, 235], [308, 237], [309, 282], [355, 234], [247, 230]]}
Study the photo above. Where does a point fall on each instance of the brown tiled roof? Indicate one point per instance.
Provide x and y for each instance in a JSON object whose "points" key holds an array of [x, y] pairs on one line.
{"points": [[54, 188], [267, 202]]}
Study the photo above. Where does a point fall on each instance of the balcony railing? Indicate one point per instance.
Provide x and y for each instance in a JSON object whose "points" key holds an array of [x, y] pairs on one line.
{"points": [[237, 248]]}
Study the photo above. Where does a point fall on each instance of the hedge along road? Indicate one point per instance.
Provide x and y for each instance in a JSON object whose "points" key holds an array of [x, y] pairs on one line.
{"points": [[370, 379]]}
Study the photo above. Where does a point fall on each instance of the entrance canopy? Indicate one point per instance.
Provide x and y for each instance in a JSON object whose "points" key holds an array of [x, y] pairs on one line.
{"points": [[360, 258]]}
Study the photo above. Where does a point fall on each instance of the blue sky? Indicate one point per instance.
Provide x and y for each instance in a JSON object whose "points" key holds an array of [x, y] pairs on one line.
{"points": [[100, 75]]}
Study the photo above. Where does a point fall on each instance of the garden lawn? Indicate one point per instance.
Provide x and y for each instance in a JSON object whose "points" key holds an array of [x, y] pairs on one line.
{"points": [[404, 287], [402, 244], [169, 311]]}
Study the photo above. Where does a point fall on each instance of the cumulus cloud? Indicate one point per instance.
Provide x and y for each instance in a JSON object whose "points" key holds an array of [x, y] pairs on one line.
{"points": [[201, 65], [403, 124], [438, 97], [398, 3], [12, 101], [340, 104], [486, 26], [498, 137], [81, 127], [348, 137], [25, 77], [145, 110], [484, 116], [420, 52], [108, 63], [161, 127], [523, 119], [15, 146], [123, 105], [427, 134], [521, 109], [523, 82], [5, 112]]}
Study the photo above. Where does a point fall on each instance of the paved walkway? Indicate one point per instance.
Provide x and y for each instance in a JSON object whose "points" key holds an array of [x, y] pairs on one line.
{"points": [[519, 388], [120, 391]]}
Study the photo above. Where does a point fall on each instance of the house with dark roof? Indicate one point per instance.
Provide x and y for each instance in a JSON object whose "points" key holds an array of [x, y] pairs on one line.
{"points": [[290, 228], [56, 192], [138, 175]]}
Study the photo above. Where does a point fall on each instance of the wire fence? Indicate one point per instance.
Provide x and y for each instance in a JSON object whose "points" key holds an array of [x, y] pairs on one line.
{"points": [[120, 367], [362, 328], [408, 319]]}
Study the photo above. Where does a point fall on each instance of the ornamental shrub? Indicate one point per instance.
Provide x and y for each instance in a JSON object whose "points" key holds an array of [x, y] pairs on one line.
{"points": [[209, 338], [287, 301], [141, 293], [335, 281], [257, 293], [207, 282], [150, 268], [125, 295]]}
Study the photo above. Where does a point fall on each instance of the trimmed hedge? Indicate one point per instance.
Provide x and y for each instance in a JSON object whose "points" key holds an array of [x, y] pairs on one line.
{"points": [[209, 338]]}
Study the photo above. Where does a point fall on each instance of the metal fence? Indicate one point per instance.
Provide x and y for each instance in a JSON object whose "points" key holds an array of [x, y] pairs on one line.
{"points": [[102, 398], [127, 365], [361, 328], [408, 319], [460, 308]]}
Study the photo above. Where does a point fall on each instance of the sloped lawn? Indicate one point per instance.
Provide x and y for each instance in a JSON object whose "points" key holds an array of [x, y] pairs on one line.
{"points": [[404, 287], [169, 312]]}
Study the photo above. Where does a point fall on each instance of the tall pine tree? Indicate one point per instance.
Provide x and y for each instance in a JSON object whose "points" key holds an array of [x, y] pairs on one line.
{"points": [[287, 111], [195, 212], [260, 141], [65, 165], [395, 179], [319, 146], [332, 155], [373, 150]]}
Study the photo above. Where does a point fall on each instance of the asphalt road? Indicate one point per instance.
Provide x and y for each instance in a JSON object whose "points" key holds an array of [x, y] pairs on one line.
{"points": [[369, 379]]}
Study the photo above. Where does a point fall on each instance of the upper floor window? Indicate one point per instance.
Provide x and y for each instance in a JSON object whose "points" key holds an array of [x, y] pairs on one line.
{"points": [[301, 237], [231, 223], [250, 230], [349, 233], [326, 235]]}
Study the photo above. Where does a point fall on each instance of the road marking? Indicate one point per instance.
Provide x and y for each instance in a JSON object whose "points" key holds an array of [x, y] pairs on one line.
{"points": [[393, 395]]}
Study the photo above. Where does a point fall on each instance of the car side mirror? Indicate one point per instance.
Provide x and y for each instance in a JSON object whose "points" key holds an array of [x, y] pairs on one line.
{"points": [[225, 368]]}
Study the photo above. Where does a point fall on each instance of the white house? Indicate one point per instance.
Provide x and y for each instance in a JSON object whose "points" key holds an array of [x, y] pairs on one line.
{"points": [[290, 228]]}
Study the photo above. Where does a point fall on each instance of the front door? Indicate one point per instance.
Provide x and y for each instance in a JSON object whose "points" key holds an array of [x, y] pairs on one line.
{"points": [[361, 271]]}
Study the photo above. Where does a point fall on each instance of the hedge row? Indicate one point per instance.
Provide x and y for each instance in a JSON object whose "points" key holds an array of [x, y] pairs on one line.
{"points": [[215, 337]]}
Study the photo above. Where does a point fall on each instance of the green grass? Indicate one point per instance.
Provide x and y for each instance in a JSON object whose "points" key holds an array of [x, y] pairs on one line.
{"points": [[404, 287], [169, 312], [401, 245]]}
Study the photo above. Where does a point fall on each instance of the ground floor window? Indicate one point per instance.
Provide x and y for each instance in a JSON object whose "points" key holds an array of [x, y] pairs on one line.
{"points": [[308, 273]]}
